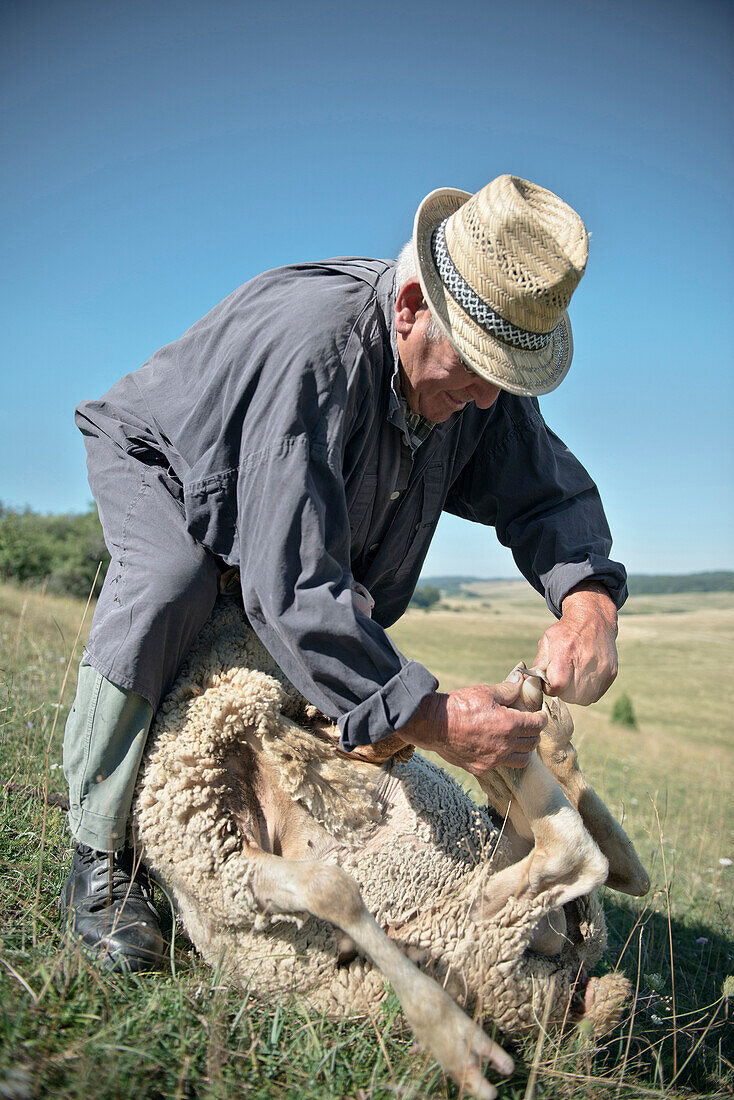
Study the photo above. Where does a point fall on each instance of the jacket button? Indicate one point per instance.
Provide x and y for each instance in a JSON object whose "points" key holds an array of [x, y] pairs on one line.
{"points": [[395, 495], [373, 547]]}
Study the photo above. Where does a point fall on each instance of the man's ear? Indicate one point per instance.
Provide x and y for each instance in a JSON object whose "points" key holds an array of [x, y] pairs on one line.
{"points": [[407, 306]]}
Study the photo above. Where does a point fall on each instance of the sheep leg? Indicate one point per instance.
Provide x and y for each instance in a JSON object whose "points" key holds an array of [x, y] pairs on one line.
{"points": [[626, 873], [549, 936], [564, 862], [325, 891]]}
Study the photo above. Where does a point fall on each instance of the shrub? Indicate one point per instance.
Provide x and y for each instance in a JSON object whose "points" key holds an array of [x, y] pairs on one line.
{"points": [[623, 713], [24, 554], [426, 596], [63, 550]]}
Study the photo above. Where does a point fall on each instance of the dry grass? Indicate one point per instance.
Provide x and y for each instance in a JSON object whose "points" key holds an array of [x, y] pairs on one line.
{"points": [[67, 1031]]}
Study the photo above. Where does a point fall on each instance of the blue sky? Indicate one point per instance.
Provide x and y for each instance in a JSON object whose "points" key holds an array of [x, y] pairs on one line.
{"points": [[157, 155]]}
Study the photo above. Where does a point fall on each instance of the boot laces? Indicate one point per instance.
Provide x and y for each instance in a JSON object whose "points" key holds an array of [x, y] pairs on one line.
{"points": [[124, 884]]}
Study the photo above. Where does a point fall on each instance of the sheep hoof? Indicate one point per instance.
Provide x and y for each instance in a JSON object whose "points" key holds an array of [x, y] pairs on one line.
{"points": [[461, 1047], [604, 1002]]}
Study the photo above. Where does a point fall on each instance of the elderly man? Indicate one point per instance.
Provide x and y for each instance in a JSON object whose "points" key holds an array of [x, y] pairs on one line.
{"points": [[309, 432]]}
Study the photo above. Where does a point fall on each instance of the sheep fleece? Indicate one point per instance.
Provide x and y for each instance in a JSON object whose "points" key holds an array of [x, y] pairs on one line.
{"points": [[415, 843]]}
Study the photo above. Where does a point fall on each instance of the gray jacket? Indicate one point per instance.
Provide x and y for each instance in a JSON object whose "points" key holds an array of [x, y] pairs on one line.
{"points": [[279, 413]]}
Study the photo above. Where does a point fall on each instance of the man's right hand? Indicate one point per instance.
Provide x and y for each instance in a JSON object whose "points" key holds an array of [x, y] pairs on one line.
{"points": [[476, 728]]}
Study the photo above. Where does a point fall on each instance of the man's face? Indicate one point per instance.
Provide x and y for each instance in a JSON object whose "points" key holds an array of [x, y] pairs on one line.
{"points": [[435, 381]]}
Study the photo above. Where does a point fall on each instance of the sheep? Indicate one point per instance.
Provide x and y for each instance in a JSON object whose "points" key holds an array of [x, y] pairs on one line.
{"points": [[296, 867]]}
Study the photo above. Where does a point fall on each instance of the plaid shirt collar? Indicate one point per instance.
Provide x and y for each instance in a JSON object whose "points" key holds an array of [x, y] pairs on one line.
{"points": [[418, 427]]}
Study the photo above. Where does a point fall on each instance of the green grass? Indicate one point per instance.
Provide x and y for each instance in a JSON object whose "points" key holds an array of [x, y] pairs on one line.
{"points": [[67, 1030]]}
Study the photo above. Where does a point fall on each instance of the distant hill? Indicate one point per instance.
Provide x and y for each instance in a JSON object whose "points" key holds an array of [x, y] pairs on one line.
{"points": [[643, 584], [450, 586], [640, 584]]}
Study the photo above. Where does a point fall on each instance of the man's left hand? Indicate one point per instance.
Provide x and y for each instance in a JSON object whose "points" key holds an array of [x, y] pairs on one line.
{"points": [[579, 653]]}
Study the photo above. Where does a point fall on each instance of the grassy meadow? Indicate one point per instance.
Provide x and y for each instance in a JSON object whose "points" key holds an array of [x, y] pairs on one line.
{"points": [[67, 1030]]}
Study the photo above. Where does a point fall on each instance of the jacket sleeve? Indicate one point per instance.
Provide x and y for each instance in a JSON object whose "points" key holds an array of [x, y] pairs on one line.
{"points": [[525, 482], [294, 548]]}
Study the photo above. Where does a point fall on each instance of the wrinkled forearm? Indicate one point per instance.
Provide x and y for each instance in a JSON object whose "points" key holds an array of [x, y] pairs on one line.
{"points": [[590, 599], [428, 726]]}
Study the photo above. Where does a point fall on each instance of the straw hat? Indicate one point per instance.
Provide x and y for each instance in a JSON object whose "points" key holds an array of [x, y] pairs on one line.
{"points": [[498, 270]]}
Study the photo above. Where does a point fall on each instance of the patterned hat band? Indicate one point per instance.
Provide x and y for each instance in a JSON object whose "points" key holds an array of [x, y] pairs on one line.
{"points": [[473, 305]]}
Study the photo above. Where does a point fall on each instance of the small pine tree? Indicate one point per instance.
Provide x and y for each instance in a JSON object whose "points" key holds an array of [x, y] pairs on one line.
{"points": [[623, 713]]}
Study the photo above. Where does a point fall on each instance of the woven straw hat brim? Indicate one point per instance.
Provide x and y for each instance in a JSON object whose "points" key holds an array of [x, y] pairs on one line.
{"points": [[527, 373]]}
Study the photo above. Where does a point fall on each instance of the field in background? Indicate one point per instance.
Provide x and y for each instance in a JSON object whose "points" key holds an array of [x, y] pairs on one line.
{"points": [[68, 1031]]}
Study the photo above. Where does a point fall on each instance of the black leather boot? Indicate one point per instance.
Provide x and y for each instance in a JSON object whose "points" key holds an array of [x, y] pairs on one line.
{"points": [[110, 911]]}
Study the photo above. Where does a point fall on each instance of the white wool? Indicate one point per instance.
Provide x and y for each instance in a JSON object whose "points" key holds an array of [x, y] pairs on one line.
{"points": [[417, 846]]}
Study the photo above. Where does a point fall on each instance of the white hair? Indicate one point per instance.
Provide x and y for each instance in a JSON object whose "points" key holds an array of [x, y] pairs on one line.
{"points": [[405, 269]]}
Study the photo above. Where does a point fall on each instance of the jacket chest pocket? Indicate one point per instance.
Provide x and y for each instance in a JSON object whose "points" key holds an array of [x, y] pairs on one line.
{"points": [[424, 515], [433, 495], [360, 506]]}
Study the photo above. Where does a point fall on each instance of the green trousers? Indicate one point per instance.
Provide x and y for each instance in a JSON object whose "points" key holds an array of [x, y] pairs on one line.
{"points": [[103, 745]]}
